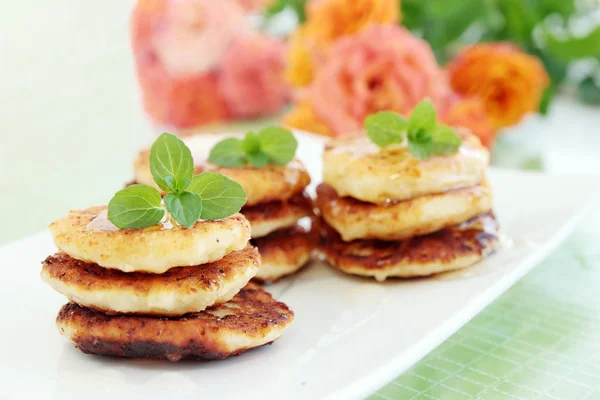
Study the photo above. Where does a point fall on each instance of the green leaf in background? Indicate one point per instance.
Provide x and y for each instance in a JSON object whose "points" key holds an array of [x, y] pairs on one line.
{"points": [[422, 117], [228, 153], [221, 196], [184, 207], [520, 19], [298, 6], [169, 156], [546, 100], [556, 69], [588, 91], [134, 207], [441, 22], [574, 47], [279, 144], [385, 128]]}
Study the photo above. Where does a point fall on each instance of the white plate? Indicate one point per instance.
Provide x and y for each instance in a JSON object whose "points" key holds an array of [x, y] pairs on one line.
{"points": [[350, 337]]}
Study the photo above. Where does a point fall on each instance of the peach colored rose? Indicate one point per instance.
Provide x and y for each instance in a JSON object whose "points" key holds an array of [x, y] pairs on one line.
{"points": [[302, 116], [187, 36], [252, 76], [509, 82], [380, 68]]}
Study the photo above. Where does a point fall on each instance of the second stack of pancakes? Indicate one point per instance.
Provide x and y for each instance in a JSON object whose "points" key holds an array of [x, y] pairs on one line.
{"points": [[385, 213], [277, 202]]}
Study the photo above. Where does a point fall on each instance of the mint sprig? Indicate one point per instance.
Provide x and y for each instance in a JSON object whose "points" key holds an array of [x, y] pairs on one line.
{"points": [[188, 198], [425, 136], [272, 145]]}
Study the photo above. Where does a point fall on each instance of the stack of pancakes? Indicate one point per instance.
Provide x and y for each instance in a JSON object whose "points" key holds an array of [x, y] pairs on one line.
{"points": [[162, 291], [386, 213], [276, 202]]}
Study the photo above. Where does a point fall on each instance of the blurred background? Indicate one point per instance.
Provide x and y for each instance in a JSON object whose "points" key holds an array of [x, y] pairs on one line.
{"points": [[85, 85]]}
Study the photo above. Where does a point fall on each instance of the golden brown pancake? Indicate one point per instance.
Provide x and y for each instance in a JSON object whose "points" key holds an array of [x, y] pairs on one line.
{"points": [[357, 168], [176, 292], [269, 217], [446, 250], [355, 219], [262, 185], [88, 235], [251, 319], [283, 253]]}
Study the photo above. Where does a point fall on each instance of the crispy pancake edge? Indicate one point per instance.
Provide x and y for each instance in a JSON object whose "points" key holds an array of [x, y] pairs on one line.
{"points": [[176, 292], [257, 319], [447, 250]]}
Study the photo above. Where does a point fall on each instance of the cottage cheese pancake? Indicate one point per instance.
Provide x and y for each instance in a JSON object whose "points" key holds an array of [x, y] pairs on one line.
{"points": [[178, 291], [357, 168], [283, 253], [251, 319], [270, 217], [447, 250], [355, 219], [262, 185], [89, 236]]}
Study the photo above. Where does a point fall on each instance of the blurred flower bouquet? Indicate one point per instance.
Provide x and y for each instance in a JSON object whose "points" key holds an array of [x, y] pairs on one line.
{"points": [[502, 59], [348, 64], [198, 62], [485, 64]]}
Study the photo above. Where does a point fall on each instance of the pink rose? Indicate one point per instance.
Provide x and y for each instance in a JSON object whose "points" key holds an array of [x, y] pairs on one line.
{"points": [[383, 67], [194, 34], [252, 76]]}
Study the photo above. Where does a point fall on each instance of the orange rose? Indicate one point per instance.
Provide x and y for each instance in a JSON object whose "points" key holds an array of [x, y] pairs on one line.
{"points": [[300, 67], [469, 113], [302, 116], [333, 19], [509, 82], [327, 21]]}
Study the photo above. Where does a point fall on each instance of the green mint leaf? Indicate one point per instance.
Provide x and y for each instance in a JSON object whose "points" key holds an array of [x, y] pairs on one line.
{"points": [[385, 128], [170, 156], [185, 207], [420, 150], [278, 144], [422, 117], [221, 196], [445, 140], [228, 153], [251, 143], [136, 206], [420, 144], [258, 160]]}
